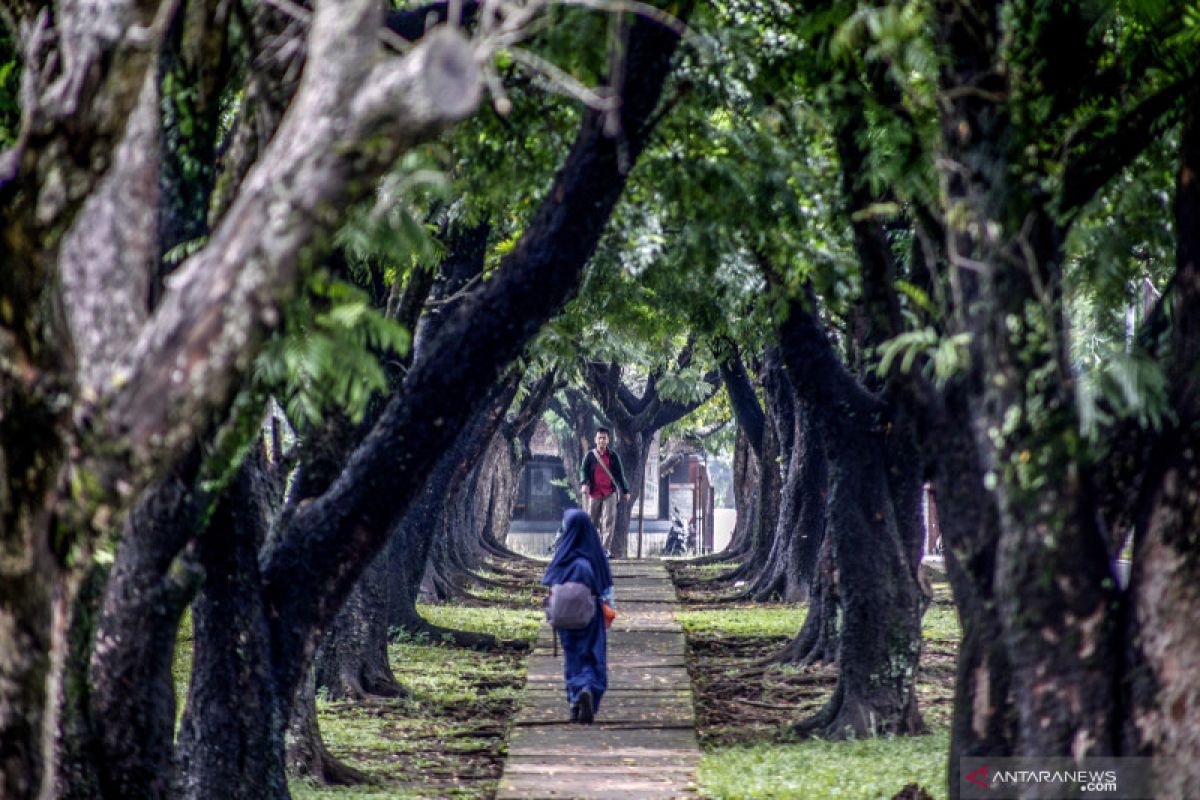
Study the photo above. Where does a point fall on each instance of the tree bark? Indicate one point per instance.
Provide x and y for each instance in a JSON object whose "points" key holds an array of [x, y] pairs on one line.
{"points": [[1163, 694], [338, 107], [306, 754], [748, 413], [879, 599], [746, 478], [231, 739], [423, 523], [225, 300], [984, 719], [152, 581], [764, 521], [790, 566], [1054, 580], [77, 761], [353, 661], [331, 540], [819, 636]]}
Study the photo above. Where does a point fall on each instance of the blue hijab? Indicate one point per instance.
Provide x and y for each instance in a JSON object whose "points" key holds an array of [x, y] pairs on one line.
{"points": [[580, 539]]}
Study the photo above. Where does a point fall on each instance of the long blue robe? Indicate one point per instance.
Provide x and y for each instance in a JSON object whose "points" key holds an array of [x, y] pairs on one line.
{"points": [[580, 558]]}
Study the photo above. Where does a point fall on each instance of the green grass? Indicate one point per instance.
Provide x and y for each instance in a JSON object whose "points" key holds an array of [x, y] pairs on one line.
{"points": [[750, 753], [507, 623], [708, 570], [745, 621], [446, 738], [820, 770], [181, 665], [941, 624], [303, 790]]}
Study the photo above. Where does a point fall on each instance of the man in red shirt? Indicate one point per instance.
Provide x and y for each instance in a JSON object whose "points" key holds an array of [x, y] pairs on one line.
{"points": [[601, 474]]}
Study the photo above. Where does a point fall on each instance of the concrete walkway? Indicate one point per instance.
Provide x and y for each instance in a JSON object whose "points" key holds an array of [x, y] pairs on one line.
{"points": [[643, 743]]}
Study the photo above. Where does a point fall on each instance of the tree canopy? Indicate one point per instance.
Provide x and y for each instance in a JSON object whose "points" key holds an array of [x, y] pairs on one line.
{"points": [[860, 247]]}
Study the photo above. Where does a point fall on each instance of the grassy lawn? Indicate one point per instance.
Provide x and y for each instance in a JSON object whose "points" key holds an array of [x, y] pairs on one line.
{"points": [[820, 770], [446, 739], [745, 710]]}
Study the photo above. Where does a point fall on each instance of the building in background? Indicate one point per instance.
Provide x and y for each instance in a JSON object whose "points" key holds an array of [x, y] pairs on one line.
{"points": [[544, 491]]}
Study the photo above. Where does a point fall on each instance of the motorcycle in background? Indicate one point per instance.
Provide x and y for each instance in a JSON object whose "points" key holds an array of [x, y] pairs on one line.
{"points": [[676, 537]]}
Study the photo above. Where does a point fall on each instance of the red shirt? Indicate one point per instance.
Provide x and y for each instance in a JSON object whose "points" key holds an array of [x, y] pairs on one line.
{"points": [[601, 485]]}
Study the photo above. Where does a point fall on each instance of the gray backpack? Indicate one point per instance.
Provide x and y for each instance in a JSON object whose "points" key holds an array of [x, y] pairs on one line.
{"points": [[570, 606]]}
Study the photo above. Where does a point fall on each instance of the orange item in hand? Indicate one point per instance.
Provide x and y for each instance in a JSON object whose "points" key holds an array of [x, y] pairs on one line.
{"points": [[609, 614]]}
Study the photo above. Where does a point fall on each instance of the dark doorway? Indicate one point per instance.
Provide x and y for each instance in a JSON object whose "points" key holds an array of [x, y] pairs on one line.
{"points": [[542, 496]]}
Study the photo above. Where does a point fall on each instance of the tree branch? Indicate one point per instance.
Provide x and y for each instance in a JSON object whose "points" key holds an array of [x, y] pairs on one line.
{"points": [[743, 399], [1092, 168], [669, 410], [531, 408], [333, 538], [109, 258], [350, 120]]}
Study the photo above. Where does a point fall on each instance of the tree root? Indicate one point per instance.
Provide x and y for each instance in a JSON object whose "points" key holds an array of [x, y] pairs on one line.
{"points": [[849, 716]]}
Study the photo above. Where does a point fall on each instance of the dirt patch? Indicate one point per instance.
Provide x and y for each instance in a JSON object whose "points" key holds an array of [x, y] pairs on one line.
{"points": [[447, 737], [705, 584], [741, 700]]}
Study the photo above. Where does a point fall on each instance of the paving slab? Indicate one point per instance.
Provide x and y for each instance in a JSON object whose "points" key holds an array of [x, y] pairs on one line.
{"points": [[643, 743]]}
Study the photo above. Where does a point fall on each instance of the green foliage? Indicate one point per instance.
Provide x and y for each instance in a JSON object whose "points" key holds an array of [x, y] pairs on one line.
{"points": [[10, 87], [1123, 385], [241, 431], [391, 229], [329, 355], [870, 769], [942, 356], [1120, 247]]}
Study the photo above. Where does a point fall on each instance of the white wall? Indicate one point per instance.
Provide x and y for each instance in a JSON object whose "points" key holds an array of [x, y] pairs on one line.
{"points": [[724, 520]]}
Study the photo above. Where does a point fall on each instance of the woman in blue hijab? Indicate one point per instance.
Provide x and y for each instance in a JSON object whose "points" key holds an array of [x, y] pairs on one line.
{"points": [[580, 558]]}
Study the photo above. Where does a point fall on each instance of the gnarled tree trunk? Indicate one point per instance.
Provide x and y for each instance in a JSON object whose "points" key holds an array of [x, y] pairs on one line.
{"points": [[879, 599]]}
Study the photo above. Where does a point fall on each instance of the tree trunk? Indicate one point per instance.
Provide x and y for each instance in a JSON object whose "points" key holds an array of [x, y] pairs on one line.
{"points": [[770, 454], [819, 636], [423, 524], [307, 756], [455, 550], [1165, 584], [633, 447], [800, 530], [353, 660], [334, 538], [746, 477], [984, 718], [634, 421], [152, 580], [78, 760], [225, 301], [1054, 584], [746, 454], [33, 421], [503, 469], [879, 598], [579, 415], [1166, 579], [231, 740]]}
